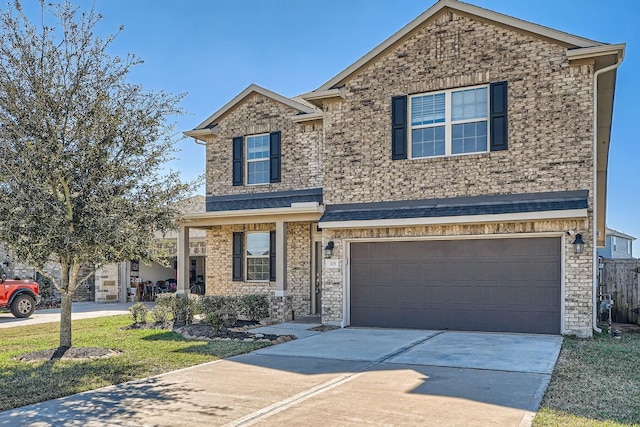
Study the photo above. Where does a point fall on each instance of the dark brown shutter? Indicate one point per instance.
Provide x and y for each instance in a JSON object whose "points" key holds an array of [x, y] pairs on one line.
{"points": [[272, 256], [274, 157], [399, 127], [238, 256], [238, 160], [498, 116]]}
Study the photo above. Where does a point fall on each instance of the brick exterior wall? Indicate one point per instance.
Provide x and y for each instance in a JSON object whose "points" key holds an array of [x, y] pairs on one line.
{"points": [[259, 114], [550, 111], [219, 264], [349, 153]]}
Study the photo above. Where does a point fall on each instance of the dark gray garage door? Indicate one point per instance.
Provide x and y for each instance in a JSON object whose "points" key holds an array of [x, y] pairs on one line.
{"points": [[501, 285]]}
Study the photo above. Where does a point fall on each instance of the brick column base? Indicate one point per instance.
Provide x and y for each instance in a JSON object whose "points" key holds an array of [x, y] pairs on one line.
{"points": [[281, 309]]}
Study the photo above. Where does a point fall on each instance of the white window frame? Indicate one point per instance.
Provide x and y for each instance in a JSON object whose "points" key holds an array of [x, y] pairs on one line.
{"points": [[247, 256], [262, 159], [448, 123]]}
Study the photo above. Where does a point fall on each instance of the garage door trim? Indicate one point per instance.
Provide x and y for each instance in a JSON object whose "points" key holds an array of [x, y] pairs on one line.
{"points": [[346, 244]]}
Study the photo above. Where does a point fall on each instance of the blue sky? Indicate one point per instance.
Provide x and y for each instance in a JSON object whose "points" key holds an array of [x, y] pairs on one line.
{"points": [[213, 49]]}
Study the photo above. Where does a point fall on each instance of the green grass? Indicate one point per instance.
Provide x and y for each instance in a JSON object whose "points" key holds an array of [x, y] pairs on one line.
{"points": [[596, 383], [145, 353]]}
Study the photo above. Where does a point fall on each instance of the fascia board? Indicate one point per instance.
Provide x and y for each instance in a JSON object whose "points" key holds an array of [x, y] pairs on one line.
{"points": [[465, 219]]}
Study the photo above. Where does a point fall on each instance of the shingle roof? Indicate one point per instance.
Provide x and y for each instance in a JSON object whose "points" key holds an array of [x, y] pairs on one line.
{"points": [[459, 206], [280, 199]]}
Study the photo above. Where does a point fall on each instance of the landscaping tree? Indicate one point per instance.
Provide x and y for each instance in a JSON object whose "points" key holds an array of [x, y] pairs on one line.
{"points": [[82, 150]]}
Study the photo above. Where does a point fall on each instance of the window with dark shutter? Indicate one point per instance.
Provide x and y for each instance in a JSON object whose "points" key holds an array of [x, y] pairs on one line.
{"points": [[274, 157], [399, 127], [238, 255], [272, 256], [498, 116], [238, 160]]}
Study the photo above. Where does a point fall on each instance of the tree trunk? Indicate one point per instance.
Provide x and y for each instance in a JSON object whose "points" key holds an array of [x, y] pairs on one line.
{"points": [[65, 319]]}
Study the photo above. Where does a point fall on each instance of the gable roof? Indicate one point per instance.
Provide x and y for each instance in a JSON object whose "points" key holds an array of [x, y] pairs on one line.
{"points": [[563, 38], [612, 232], [253, 88]]}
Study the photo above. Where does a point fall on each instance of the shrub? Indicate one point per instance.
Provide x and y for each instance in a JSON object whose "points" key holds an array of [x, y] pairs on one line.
{"points": [[139, 312], [254, 307], [215, 319], [165, 301], [211, 303], [161, 313], [183, 309]]}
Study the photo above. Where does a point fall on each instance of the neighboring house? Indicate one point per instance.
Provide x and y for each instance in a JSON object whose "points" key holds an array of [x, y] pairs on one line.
{"points": [[433, 184], [14, 268], [618, 245], [112, 282]]}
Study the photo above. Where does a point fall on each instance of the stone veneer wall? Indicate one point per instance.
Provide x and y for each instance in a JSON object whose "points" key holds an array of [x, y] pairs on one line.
{"points": [[301, 144], [219, 265], [577, 293]]}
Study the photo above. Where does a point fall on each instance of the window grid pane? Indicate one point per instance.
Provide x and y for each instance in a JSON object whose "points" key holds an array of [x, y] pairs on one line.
{"points": [[428, 142], [428, 109], [257, 268], [258, 172], [257, 147], [469, 104], [469, 138]]}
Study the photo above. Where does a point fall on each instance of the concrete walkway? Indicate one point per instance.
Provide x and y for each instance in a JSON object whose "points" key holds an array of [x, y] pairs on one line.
{"points": [[80, 310], [345, 377]]}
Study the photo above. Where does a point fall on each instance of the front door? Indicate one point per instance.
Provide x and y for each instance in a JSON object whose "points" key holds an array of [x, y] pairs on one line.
{"points": [[316, 288]]}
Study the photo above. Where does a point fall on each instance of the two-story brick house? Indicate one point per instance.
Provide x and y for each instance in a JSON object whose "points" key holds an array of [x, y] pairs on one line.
{"points": [[442, 181]]}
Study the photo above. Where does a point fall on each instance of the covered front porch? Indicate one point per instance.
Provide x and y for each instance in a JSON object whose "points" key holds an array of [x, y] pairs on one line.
{"points": [[269, 251]]}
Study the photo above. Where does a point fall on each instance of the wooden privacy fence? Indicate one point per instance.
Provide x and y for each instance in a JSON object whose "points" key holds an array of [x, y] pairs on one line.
{"points": [[621, 279]]}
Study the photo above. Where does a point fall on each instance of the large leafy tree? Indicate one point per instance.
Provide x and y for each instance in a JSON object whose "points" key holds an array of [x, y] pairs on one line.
{"points": [[82, 149]]}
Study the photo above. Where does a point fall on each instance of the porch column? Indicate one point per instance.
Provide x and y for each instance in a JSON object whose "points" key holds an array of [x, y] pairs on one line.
{"points": [[183, 260], [281, 259]]}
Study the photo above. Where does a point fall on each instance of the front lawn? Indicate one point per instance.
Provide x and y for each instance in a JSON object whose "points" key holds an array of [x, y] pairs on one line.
{"points": [[596, 382], [145, 353]]}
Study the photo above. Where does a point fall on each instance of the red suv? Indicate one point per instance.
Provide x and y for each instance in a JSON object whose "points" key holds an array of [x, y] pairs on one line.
{"points": [[19, 296]]}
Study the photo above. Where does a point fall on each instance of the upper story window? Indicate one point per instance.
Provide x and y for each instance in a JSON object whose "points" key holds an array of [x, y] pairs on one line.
{"points": [[450, 122], [258, 159]]}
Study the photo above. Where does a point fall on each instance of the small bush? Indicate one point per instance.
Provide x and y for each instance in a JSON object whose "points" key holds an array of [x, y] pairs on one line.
{"points": [[165, 300], [183, 309], [215, 319], [139, 312], [254, 307], [161, 313], [211, 303]]}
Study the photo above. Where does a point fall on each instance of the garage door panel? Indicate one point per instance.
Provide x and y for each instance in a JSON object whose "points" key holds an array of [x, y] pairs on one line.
{"points": [[510, 285]]}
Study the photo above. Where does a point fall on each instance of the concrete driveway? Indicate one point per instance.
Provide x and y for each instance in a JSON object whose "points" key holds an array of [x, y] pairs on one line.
{"points": [[344, 377], [80, 310]]}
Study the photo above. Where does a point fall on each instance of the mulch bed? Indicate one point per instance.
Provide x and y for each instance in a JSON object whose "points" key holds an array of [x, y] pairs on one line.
{"points": [[240, 331]]}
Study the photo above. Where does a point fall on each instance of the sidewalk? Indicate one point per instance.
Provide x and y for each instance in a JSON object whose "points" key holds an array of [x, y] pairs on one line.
{"points": [[80, 310]]}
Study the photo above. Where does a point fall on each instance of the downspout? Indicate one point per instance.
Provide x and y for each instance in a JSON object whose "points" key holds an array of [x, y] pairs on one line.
{"points": [[595, 189]]}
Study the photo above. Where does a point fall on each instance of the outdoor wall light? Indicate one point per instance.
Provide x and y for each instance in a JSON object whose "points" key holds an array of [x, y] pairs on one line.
{"points": [[578, 244], [328, 250]]}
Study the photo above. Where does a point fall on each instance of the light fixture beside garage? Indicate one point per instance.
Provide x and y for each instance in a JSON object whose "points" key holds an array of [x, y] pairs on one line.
{"points": [[578, 244], [328, 250]]}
